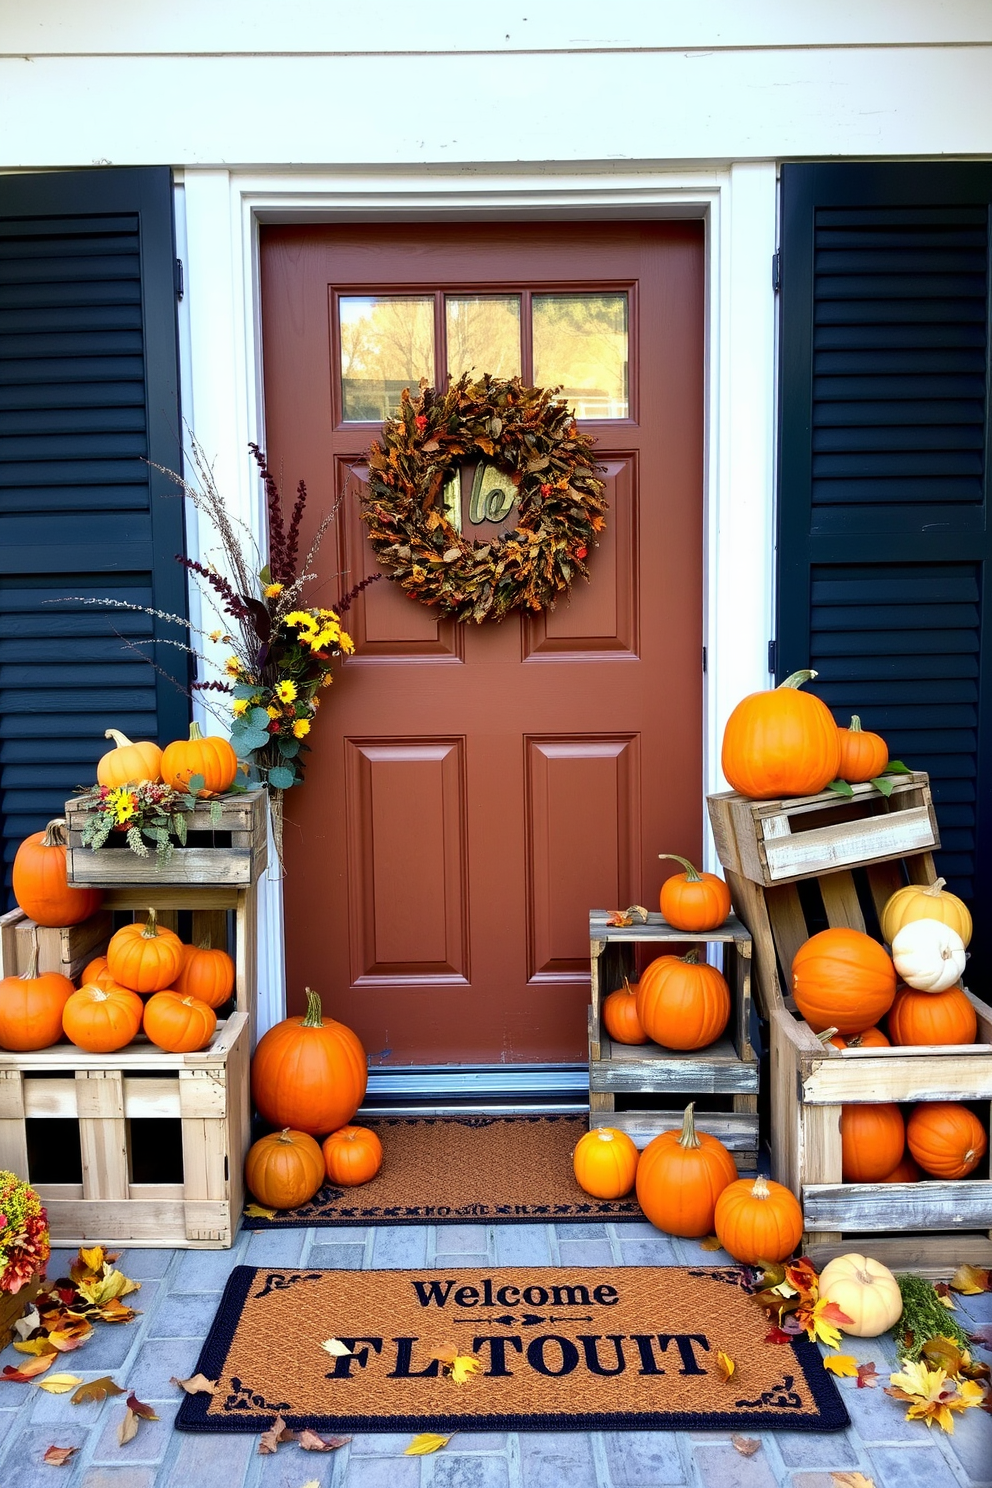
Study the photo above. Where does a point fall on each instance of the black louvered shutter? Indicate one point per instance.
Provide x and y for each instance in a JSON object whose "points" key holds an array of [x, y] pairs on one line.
{"points": [[883, 532], [89, 393]]}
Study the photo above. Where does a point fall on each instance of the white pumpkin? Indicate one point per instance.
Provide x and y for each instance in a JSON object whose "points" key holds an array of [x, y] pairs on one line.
{"points": [[866, 1291], [928, 955]]}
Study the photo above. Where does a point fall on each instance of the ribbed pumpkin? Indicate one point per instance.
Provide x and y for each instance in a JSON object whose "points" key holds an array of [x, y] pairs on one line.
{"points": [[179, 1024], [309, 1072], [842, 979], [932, 1017], [352, 1155], [145, 957], [925, 902], [865, 1291], [906, 1170], [605, 1162], [284, 1169], [682, 1003], [207, 974], [96, 973], [947, 1140], [928, 955], [781, 743], [872, 1038], [758, 1220], [680, 1176], [862, 755], [873, 1139], [102, 1019], [212, 757], [620, 1016], [128, 763], [31, 1006], [692, 900], [39, 880]]}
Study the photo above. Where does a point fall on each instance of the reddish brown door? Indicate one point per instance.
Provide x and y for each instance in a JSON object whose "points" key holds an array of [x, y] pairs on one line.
{"points": [[474, 790]]}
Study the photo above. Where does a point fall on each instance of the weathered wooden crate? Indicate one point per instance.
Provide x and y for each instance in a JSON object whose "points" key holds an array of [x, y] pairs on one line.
{"points": [[728, 1067], [66, 950], [773, 842], [105, 1097], [228, 847]]}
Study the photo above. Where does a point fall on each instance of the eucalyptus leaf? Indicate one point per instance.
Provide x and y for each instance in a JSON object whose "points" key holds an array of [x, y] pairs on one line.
{"points": [[257, 718], [289, 748], [248, 742], [281, 777], [194, 785], [181, 828], [245, 690], [896, 767], [841, 787], [882, 784], [216, 812]]}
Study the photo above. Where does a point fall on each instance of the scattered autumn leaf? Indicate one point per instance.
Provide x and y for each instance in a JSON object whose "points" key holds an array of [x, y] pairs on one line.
{"points": [[197, 1384], [971, 1280], [931, 1396], [30, 1368], [425, 1443], [59, 1456], [821, 1322], [96, 1390], [846, 1365], [26, 1325], [711, 1242], [110, 1284], [115, 1311], [458, 1367], [943, 1353], [60, 1384], [310, 1441], [145, 1412], [72, 1337], [852, 1480], [278, 1432], [336, 1348], [868, 1376], [725, 1366], [128, 1427], [746, 1445], [258, 1211], [33, 1346], [779, 1335]]}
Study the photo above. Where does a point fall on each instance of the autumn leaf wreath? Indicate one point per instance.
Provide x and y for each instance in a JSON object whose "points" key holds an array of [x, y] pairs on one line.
{"points": [[530, 436]]}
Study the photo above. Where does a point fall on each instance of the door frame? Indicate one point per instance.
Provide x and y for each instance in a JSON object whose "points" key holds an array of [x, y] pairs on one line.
{"points": [[218, 217]]}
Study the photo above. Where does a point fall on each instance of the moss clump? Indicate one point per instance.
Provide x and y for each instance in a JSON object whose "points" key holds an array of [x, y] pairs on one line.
{"points": [[924, 1316]]}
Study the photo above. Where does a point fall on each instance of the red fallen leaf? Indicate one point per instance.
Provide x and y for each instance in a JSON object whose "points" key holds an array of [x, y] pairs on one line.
{"points": [[833, 1314], [868, 1376], [139, 1407], [983, 1337], [59, 1456], [778, 1335], [30, 1368]]}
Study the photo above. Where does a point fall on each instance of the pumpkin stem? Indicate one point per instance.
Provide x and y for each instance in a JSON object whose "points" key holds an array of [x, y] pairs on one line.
{"points": [[604, 1134], [314, 1017], [761, 1189], [120, 740], [855, 727], [797, 679], [691, 958], [194, 732], [99, 995], [688, 1137], [32, 970], [826, 1035], [150, 930], [204, 944], [691, 874], [934, 889], [55, 833], [284, 1136]]}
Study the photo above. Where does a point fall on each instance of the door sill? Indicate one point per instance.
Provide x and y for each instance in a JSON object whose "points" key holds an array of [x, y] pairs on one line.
{"points": [[477, 1090]]}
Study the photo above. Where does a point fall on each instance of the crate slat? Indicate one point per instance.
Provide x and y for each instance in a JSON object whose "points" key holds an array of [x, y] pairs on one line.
{"points": [[964, 1204], [242, 818]]}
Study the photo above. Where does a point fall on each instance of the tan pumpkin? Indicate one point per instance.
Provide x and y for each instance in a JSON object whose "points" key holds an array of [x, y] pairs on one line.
{"points": [[620, 1016], [865, 1290], [925, 902], [127, 763], [284, 1169], [928, 955]]}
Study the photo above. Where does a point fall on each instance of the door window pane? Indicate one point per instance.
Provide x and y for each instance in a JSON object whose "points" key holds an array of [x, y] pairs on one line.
{"points": [[580, 344], [483, 334], [387, 344]]}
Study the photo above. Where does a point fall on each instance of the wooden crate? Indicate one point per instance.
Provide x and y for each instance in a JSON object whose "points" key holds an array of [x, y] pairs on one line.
{"points": [[728, 1067], [772, 842], [107, 1094], [230, 849], [66, 950]]}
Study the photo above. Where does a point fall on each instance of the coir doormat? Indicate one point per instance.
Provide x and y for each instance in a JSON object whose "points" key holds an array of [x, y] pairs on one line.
{"points": [[511, 1169], [589, 1348]]}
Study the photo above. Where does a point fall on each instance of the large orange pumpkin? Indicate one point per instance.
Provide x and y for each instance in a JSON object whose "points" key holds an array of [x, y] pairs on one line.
{"points": [[947, 1140], [682, 1003], [211, 757], [680, 1176], [206, 974], [102, 1019], [781, 743], [179, 1024], [605, 1162], [863, 756], [31, 1007], [620, 1016], [932, 1017], [39, 880], [309, 1072], [758, 1220], [284, 1169], [873, 1139], [842, 979], [127, 763], [692, 900], [872, 1038], [352, 1155], [145, 957]]}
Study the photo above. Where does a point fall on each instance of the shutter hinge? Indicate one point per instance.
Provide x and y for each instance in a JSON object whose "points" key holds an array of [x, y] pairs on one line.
{"points": [[179, 278], [773, 657], [777, 271]]}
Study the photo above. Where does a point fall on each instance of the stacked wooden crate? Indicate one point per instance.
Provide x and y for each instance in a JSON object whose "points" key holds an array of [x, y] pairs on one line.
{"points": [[794, 867], [205, 1094]]}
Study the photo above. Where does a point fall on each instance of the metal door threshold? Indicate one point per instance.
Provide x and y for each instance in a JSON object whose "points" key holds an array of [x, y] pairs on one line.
{"points": [[477, 1090]]}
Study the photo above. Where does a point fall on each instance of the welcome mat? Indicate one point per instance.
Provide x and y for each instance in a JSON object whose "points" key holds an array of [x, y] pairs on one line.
{"points": [[444, 1170], [561, 1348]]}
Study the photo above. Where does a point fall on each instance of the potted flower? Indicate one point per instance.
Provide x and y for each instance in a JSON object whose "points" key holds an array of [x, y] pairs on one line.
{"points": [[24, 1250]]}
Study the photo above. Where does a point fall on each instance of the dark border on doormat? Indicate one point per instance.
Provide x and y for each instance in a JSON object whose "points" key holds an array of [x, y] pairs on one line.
{"points": [[192, 1415]]}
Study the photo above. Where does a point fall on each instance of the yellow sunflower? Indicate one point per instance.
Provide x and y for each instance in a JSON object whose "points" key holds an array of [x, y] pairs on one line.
{"points": [[286, 691], [301, 727]]}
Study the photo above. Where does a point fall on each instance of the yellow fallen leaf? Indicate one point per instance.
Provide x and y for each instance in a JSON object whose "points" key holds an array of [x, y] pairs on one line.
{"points": [[335, 1348], [710, 1243], [92, 1259], [726, 1368], [425, 1443], [34, 1346], [970, 1280], [464, 1366], [59, 1384], [257, 1211], [852, 1480], [842, 1364]]}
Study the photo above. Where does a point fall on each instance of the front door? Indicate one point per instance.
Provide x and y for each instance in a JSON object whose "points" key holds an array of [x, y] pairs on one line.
{"points": [[474, 790]]}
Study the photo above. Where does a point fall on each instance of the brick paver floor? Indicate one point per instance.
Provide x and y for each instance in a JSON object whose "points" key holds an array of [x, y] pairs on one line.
{"points": [[180, 1290]]}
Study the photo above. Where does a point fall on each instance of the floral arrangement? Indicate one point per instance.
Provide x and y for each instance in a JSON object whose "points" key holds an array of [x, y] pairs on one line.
{"points": [[24, 1247], [143, 810]]}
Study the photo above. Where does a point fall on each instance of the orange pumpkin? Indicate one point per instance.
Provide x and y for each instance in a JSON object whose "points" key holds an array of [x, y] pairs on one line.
{"points": [[872, 1038], [682, 1003], [127, 763], [781, 743], [905, 1171], [680, 1176], [309, 1072], [146, 958], [932, 1017], [842, 979], [31, 1006], [873, 1139], [947, 1140], [96, 973], [605, 1162], [284, 1169], [692, 900], [179, 1024], [206, 974], [40, 884], [102, 1019], [758, 1220], [863, 756], [620, 1016], [211, 757], [352, 1155]]}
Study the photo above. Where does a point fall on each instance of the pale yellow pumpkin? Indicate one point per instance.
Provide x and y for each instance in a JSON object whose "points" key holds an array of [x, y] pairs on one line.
{"points": [[928, 955], [925, 902], [866, 1291]]}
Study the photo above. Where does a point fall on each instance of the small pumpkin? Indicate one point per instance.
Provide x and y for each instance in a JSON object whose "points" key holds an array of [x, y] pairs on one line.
{"points": [[145, 957], [102, 1019], [906, 1170], [871, 1038], [692, 900], [605, 1163], [212, 757], [352, 1155], [96, 973], [127, 763], [925, 902], [928, 955], [682, 1003], [178, 1024], [758, 1220], [781, 743], [31, 1006], [842, 979], [40, 882], [947, 1140], [284, 1169], [865, 1291], [873, 1139], [680, 1176], [932, 1017], [620, 1016], [863, 756], [207, 974], [309, 1072]]}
